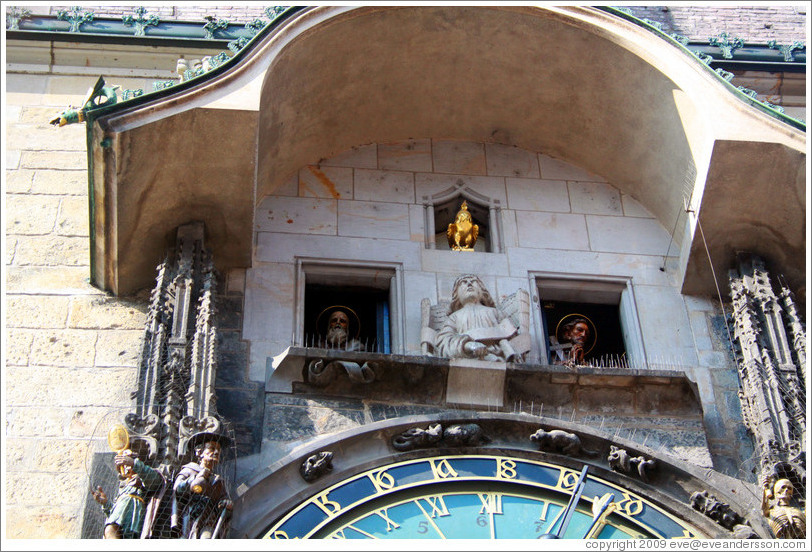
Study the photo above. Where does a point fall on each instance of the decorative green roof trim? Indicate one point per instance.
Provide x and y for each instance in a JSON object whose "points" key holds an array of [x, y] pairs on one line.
{"points": [[787, 50], [214, 25], [765, 107], [14, 15], [140, 22], [76, 16]]}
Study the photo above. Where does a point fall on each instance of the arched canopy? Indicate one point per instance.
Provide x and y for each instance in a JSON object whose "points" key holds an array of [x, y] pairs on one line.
{"points": [[574, 83]]}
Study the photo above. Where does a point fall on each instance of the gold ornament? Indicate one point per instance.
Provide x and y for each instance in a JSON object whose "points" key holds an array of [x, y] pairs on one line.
{"points": [[462, 233]]}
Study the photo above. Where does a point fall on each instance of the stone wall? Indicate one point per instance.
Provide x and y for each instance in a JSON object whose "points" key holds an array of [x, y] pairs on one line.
{"points": [[366, 205], [71, 350]]}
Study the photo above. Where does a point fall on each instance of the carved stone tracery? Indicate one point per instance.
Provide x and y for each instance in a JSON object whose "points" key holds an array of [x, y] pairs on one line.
{"points": [[769, 337]]}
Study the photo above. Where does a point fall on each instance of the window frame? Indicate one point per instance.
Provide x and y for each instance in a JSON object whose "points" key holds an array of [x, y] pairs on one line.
{"points": [[590, 288], [371, 274], [461, 190]]}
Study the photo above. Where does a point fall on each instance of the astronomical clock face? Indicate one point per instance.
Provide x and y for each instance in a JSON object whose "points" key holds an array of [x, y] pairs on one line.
{"points": [[475, 497]]}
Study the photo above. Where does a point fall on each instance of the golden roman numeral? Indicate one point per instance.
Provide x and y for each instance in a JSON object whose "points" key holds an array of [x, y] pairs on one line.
{"points": [[433, 502], [491, 503], [330, 507], [384, 513], [505, 469], [382, 480], [442, 469]]}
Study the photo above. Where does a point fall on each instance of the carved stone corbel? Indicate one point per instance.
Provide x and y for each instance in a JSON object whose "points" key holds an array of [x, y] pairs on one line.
{"points": [[321, 373]]}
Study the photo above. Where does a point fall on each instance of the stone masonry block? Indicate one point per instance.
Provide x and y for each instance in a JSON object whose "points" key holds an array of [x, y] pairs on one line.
{"points": [[118, 348], [298, 215], [666, 400], [505, 160], [60, 182], [594, 198], [85, 420], [17, 452], [531, 194], [606, 400], [18, 345], [373, 220], [12, 113], [11, 249], [458, 157], [359, 157], [19, 181], [107, 313], [44, 137], [389, 186], [429, 184], [52, 251], [13, 157], [53, 160], [61, 455], [35, 422], [557, 169], [325, 182], [51, 281], [36, 311], [41, 522], [77, 387], [552, 230], [63, 348], [73, 217], [627, 235], [31, 215], [633, 208], [409, 155], [41, 488]]}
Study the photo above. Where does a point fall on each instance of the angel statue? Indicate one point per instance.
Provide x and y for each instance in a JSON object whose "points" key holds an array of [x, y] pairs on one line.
{"points": [[462, 233], [473, 326]]}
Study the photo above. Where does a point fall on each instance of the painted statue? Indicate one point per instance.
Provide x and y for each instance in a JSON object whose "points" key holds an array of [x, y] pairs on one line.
{"points": [[200, 504], [786, 520], [139, 490]]}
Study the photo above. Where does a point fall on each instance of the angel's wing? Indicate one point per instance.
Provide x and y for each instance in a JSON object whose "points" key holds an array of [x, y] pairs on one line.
{"points": [[517, 308]]}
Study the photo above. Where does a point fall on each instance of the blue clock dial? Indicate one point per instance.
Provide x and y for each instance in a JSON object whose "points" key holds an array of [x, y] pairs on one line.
{"points": [[476, 497]]}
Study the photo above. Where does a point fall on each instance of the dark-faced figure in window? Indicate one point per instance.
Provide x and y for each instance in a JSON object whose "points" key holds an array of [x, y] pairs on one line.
{"points": [[573, 340], [337, 333], [577, 333]]}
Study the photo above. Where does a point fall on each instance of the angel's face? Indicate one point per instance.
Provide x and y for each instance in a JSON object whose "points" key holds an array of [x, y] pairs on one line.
{"points": [[469, 289]]}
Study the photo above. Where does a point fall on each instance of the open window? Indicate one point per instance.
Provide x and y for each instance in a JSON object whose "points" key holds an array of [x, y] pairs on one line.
{"points": [[348, 307], [589, 322], [441, 210]]}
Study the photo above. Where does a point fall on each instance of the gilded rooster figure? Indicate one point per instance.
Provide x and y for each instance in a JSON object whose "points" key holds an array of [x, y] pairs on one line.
{"points": [[462, 233]]}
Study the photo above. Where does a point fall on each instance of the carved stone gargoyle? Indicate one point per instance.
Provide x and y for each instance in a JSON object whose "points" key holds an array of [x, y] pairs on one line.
{"points": [[721, 513], [559, 441], [316, 465], [621, 461], [456, 435]]}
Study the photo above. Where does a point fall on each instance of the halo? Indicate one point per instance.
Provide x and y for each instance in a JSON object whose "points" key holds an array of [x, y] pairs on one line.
{"points": [[332, 308], [593, 332]]}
